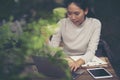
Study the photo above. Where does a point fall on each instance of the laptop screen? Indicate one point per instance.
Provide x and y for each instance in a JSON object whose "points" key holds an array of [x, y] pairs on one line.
{"points": [[50, 68]]}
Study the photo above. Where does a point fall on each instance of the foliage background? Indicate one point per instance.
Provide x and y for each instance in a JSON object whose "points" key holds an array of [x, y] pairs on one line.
{"points": [[16, 45]]}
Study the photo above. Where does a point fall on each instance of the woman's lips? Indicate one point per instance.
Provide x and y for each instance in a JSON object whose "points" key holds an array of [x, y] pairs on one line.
{"points": [[75, 21]]}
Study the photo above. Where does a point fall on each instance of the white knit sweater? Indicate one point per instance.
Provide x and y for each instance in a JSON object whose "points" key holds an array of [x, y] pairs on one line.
{"points": [[78, 40]]}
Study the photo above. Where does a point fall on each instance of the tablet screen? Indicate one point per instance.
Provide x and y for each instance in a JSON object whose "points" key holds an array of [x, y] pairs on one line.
{"points": [[99, 73]]}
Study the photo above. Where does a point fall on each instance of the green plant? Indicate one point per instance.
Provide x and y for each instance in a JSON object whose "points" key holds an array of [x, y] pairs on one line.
{"points": [[11, 59], [33, 41], [59, 13]]}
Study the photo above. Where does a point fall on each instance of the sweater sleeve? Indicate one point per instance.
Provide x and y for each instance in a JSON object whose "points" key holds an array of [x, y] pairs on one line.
{"points": [[93, 43], [56, 37]]}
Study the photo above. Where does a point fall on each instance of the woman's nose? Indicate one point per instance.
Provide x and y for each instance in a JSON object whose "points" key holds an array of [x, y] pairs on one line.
{"points": [[72, 16]]}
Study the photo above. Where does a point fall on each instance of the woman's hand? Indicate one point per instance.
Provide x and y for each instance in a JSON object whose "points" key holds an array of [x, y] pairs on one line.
{"points": [[76, 64]]}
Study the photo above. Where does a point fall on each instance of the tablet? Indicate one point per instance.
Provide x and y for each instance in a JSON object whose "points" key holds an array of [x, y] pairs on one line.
{"points": [[99, 73]]}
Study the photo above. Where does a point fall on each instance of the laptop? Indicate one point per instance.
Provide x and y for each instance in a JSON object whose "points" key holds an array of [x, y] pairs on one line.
{"points": [[53, 69]]}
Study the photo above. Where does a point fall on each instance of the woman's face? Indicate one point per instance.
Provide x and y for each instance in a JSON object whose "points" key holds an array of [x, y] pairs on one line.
{"points": [[76, 14]]}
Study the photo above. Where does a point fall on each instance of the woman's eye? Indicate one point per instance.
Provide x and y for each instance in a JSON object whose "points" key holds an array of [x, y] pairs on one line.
{"points": [[71, 13], [76, 13]]}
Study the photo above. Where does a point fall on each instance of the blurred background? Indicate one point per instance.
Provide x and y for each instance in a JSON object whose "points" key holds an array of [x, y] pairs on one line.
{"points": [[28, 11]]}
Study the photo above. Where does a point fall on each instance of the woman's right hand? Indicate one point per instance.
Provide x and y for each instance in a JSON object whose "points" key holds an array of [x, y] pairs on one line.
{"points": [[75, 64]]}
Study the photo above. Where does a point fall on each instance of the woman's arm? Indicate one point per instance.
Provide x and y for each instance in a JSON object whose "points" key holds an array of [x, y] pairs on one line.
{"points": [[93, 43], [56, 37]]}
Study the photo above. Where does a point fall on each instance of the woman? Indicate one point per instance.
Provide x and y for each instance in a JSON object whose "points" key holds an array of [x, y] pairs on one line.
{"points": [[79, 34]]}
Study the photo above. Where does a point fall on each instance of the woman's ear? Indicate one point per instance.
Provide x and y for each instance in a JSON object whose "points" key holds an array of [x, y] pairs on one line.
{"points": [[86, 11]]}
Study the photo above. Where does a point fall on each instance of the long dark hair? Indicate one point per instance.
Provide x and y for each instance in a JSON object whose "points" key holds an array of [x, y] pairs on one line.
{"points": [[83, 4]]}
